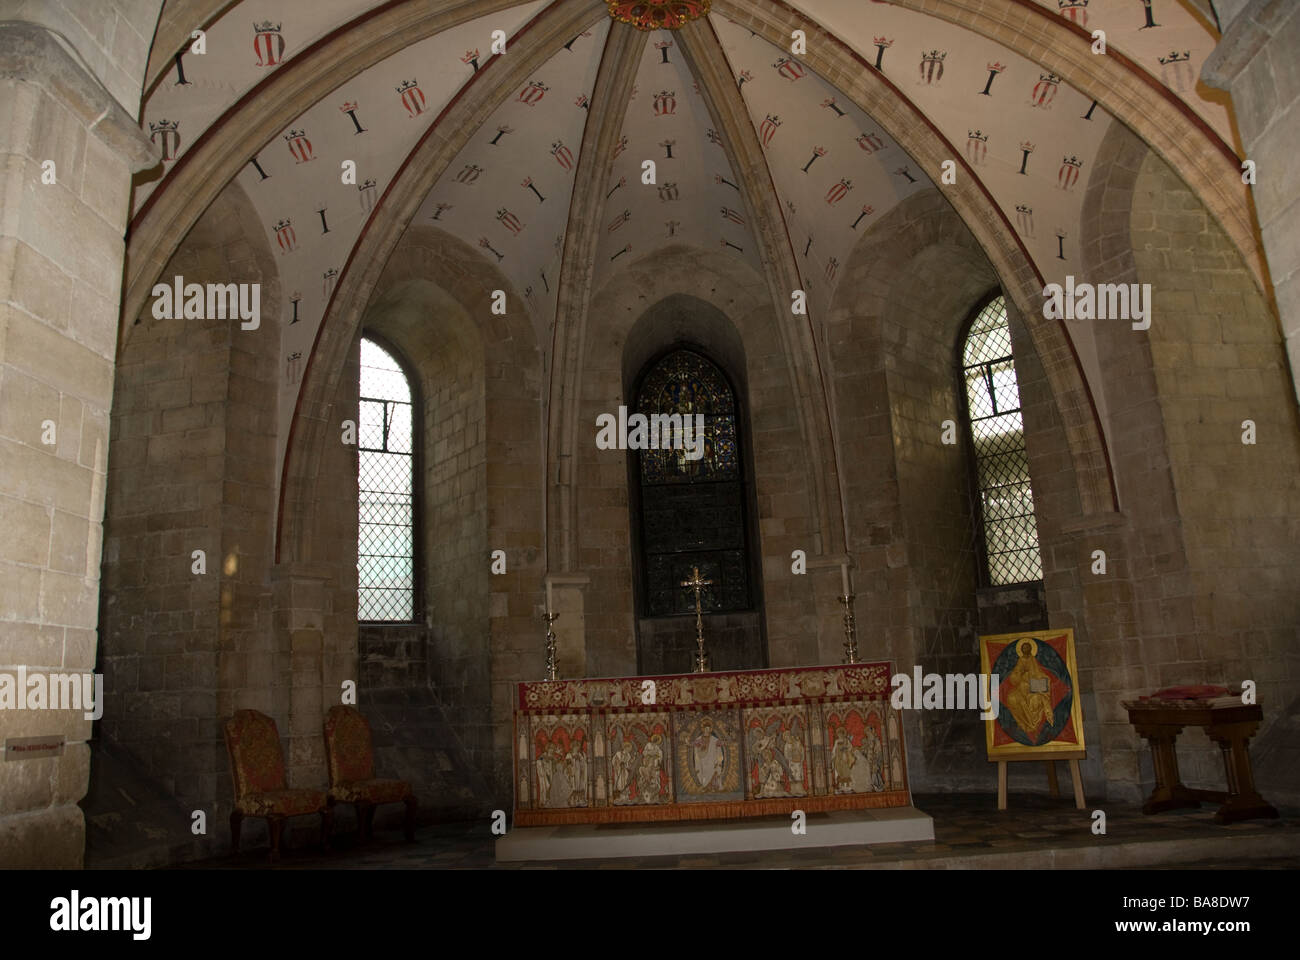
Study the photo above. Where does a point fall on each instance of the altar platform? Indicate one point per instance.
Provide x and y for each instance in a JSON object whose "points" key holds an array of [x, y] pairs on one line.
{"points": [[970, 833], [835, 828]]}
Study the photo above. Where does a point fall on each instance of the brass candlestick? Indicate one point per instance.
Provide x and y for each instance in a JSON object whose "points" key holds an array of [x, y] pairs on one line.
{"points": [[551, 673], [850, 633], [701, 656]]}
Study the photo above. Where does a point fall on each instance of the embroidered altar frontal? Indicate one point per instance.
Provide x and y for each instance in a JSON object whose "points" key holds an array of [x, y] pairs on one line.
{"points": [[707, 746]]}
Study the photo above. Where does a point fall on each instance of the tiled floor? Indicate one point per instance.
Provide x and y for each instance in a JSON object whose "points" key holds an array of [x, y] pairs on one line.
{"points": [[969, 831]]}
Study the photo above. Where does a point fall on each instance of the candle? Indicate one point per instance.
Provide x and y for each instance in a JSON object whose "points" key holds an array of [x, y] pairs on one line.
{"points": [[550, 603], [844, 574]]}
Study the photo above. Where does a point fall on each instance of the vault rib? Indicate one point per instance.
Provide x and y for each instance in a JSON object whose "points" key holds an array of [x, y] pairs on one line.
{"points": [[707, 60], [613, 87]]}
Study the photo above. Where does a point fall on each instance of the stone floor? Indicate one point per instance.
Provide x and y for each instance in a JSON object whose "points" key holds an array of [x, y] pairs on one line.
{"points": [[1037, 833]]}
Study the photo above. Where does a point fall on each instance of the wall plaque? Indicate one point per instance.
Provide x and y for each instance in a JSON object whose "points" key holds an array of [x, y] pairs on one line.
{"points": [[33, 748]]}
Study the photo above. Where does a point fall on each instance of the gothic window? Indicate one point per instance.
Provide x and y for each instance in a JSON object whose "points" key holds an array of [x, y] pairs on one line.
{"points": [[692, 507], [386, 588], [1005, 499]]}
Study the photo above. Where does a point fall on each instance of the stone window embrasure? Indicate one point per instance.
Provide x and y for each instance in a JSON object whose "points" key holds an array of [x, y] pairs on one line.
{"points": [[692, 511], [1004, 496], [386, 584]]}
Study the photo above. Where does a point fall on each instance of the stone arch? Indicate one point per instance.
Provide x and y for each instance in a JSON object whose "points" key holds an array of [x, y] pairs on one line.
{"points": [[480, 378], [191, 467], [1131, 95], [780, 452], [738, 639], [896, 114]]}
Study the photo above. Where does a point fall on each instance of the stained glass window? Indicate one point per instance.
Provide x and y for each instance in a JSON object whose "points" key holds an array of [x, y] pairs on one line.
{"points": [[385, 490], [692, 492], [1006, 498]]}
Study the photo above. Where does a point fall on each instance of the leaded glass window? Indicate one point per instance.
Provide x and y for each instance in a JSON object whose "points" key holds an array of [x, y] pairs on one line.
{"points": [[692, 510], [385, 494], [1006, 499]]}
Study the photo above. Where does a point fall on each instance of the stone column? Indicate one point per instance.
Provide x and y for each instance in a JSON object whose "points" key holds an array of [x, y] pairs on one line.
{"points": [[1255, 62], [69, 150], [301, 605], [569, 591]]}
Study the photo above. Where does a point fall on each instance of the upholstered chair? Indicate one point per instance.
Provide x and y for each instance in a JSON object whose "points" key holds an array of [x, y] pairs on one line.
{"points": [[351, 759], [257, 768]]}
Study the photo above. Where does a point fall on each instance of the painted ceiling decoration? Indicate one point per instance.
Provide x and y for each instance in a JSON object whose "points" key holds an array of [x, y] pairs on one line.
{"points": [[1168, 39], [657, 14], [1027, 136]]}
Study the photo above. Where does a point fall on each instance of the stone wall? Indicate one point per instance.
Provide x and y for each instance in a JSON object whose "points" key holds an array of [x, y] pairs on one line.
{"points": [[1219, 362], [60, 277], [188, 639], [1255, 61]]}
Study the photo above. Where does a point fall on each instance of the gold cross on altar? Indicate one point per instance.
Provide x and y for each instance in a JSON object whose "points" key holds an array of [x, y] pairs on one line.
{"points": [[696, 583], [701, 657]]}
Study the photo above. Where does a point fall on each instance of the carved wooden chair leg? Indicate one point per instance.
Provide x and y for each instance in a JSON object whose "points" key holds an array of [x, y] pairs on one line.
{"points": [[236, 820], [277, 825], [410, 818]]}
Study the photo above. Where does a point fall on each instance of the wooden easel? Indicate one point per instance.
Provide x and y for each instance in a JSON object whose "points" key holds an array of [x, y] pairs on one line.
{"points": [[1074, 756]]}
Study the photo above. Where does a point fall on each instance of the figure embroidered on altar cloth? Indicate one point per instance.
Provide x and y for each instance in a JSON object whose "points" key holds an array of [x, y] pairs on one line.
{"points": [[794, 756], [857, 760], [561, 765], [708, 757], [638, 767], [621, 765]]}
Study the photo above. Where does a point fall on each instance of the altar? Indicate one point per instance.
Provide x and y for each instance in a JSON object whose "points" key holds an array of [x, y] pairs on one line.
{"points": [[707, 746]]}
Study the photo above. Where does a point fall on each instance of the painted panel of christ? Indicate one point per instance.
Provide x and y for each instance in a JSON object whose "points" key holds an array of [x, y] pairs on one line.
{"points": [[708, 759], [776, 754], [640, 765], [1037, 693], [560, 750], [856, 759]]}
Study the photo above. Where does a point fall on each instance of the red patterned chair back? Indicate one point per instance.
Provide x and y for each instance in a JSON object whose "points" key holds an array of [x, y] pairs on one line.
{"points": [[347, 745], [256, 759]]}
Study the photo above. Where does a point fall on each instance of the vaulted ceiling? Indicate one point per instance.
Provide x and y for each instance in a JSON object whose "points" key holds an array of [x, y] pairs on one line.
{"points": [[318, 108]]}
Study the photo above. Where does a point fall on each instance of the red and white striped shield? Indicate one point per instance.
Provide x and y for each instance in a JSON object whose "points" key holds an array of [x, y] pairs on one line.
{"points": [[1068, 175], [1045, 90], [932, 66], [412, 98], [665, 103], [767, 129], [299, 146], [469, 174], [532, 93], [268, 44], [790, 69], [285, 236], [869, 142], [837, 191], [1076, 11], [509, 221], [562, 154]]}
